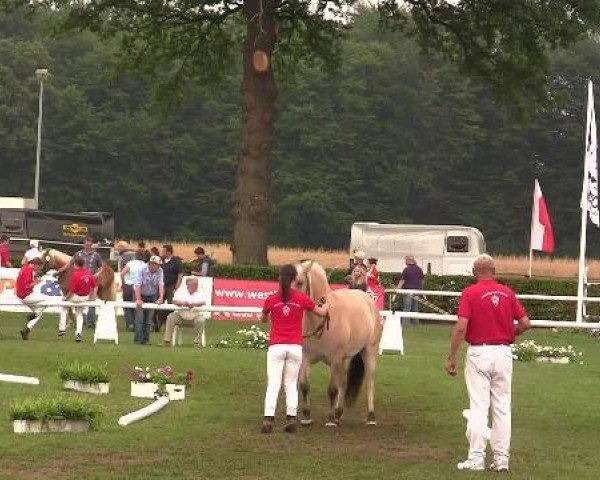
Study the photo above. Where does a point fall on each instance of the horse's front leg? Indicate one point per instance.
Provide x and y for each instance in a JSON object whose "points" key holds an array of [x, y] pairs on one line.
{"points": [[337, 391], [305, 390]]}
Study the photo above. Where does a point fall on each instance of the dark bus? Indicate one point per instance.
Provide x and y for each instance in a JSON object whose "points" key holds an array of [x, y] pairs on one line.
{"points": [[61, 231]]}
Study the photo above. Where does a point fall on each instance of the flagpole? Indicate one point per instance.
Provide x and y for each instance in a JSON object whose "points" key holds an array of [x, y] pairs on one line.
{"points": [[584, 207], [531, 231]]}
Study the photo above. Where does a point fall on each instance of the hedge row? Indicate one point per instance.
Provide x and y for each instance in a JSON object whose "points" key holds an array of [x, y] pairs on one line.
{"points": [[547, 310]]}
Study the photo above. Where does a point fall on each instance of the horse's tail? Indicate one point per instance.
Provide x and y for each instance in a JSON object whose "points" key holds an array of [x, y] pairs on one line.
{"points": [[356, 374]]}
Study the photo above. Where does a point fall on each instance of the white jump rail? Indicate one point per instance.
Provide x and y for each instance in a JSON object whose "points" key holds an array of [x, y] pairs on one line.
{"points": [[145, 412], [6, 377]]}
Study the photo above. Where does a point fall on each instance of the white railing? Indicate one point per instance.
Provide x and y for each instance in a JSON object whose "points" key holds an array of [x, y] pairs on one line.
{"points": [[534, 323], [525, 296], [386, 313]]}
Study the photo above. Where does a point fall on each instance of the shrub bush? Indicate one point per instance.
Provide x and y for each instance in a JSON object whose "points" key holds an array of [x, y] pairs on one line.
{"points": [[82, 372]]}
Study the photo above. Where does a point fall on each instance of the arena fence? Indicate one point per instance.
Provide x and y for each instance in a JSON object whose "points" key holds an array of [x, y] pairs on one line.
{"points": [[435, 317]]}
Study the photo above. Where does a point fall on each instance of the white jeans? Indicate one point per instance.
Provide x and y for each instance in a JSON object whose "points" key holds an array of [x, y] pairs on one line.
{"points": [[488, 374], [62, 324], [33, 301], [283, 359]]}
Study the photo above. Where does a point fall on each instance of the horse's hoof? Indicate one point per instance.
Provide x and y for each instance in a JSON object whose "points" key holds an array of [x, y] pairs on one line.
{"points": [[306, 422], [371, 419], [331, 424]]}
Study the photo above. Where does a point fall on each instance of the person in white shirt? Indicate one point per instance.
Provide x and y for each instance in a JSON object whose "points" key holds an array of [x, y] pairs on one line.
{"points": [[131, 275], [188, 297], [33, 252]]}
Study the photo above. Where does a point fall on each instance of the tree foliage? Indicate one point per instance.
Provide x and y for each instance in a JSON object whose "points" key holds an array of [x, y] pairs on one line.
{"points": [[389, 136]]}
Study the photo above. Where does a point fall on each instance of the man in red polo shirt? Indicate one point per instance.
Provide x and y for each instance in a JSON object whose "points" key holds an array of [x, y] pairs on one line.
{"points": [[27, 279], [486, 320], [82, 288]]}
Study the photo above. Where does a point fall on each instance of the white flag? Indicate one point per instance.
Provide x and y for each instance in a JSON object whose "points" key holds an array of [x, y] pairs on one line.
{"points": [[591, 160]]}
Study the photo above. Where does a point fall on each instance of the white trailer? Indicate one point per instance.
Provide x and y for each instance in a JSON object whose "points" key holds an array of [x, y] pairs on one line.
{"points": [[438, 249]]}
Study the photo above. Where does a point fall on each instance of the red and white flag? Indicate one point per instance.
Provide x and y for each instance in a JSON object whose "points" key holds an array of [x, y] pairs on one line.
{"points": [[542, 236]]}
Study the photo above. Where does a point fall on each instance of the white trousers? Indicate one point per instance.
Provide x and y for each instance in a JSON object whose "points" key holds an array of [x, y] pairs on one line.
{"points": [[488, 374], [62, 324], [33, 301], [283, 359]]}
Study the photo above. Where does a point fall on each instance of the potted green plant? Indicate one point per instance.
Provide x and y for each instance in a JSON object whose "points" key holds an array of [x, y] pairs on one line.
{"points": [[84, 377], [59, 414]]}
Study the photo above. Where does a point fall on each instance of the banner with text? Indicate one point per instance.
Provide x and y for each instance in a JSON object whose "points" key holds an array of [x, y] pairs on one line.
{"points": [[253, 293]]}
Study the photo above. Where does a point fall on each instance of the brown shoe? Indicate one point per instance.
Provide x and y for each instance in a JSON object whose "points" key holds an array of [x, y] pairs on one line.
{"points": [[291, 425], [267, 426]]}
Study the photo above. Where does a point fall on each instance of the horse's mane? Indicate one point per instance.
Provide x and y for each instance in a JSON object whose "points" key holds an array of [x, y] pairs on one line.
{"points": [[318, 277]]}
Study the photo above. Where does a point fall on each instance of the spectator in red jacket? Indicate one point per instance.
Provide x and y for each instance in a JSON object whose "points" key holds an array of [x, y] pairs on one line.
{"points": [[27, 279], [4, 252]]}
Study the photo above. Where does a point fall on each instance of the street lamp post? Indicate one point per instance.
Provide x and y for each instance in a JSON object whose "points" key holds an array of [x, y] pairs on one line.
{"points": [[41, 74]]}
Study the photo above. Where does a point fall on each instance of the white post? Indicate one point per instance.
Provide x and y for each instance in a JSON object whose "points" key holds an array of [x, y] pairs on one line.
{"points": [[582, 244], [41, 74]]}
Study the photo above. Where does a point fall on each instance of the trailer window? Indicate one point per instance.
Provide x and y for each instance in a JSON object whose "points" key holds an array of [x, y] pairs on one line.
{"points": [[457, 244], [11, 224]]}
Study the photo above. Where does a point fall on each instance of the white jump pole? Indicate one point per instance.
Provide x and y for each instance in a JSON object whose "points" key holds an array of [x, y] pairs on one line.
{"points": [[5, 377], [144, 412]]}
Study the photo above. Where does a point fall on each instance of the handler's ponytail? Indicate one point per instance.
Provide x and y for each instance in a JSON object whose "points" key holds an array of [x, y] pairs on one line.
{"points": [[287, 275]]}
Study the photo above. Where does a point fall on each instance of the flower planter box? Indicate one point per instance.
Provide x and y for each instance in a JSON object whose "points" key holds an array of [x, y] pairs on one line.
{"points": [[94, 388], [143, 389], [149, 390], [51, 426], [561, 360], [176, 392]]}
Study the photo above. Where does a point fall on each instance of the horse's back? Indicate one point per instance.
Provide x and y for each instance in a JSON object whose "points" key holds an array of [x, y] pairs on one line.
{"points": [[354, 321]]}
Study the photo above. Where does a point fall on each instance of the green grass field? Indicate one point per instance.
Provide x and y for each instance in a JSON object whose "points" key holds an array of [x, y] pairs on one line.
{"points": [[214, 434]]}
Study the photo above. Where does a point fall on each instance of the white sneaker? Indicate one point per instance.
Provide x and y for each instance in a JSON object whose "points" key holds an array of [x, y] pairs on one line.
{"points": [[500, 464], [471, 464]]}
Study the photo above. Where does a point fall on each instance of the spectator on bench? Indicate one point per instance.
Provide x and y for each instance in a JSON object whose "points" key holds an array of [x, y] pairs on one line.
{"points": [[189, 297]]}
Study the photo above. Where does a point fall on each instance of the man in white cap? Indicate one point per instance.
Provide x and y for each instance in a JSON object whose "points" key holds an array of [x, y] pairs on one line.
{"points": [[486, 320], [150, 289], [33, 252]]}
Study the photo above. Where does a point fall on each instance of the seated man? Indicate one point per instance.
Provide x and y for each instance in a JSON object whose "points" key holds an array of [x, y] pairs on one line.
{"points": [[28, 278], [82, 288], [189, 297]]}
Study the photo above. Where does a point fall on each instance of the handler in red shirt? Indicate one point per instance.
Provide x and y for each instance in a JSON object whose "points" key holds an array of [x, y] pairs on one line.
{"points": [[486, 319], [82, 288], [286, 309], [4, 253], [27, 279]]}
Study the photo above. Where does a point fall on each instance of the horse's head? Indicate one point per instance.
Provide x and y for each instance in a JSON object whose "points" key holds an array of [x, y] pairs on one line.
{"points": [[54, 258], [312, 279]]}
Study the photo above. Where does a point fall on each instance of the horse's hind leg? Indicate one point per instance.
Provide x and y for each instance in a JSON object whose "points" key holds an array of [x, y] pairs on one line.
{"points": [[369, 356], [337, 392], [305, 390]]}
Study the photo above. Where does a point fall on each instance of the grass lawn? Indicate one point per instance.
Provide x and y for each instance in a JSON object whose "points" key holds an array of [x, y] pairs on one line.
{"points": [[214, 434]]}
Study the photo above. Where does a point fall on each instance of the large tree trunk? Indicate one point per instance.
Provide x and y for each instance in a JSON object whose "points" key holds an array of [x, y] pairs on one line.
{"points": [[251, 202]]}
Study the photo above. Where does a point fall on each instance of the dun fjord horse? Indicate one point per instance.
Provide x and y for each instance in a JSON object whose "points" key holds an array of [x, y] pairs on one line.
{"points": [[106, 278], [347, 340]]}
